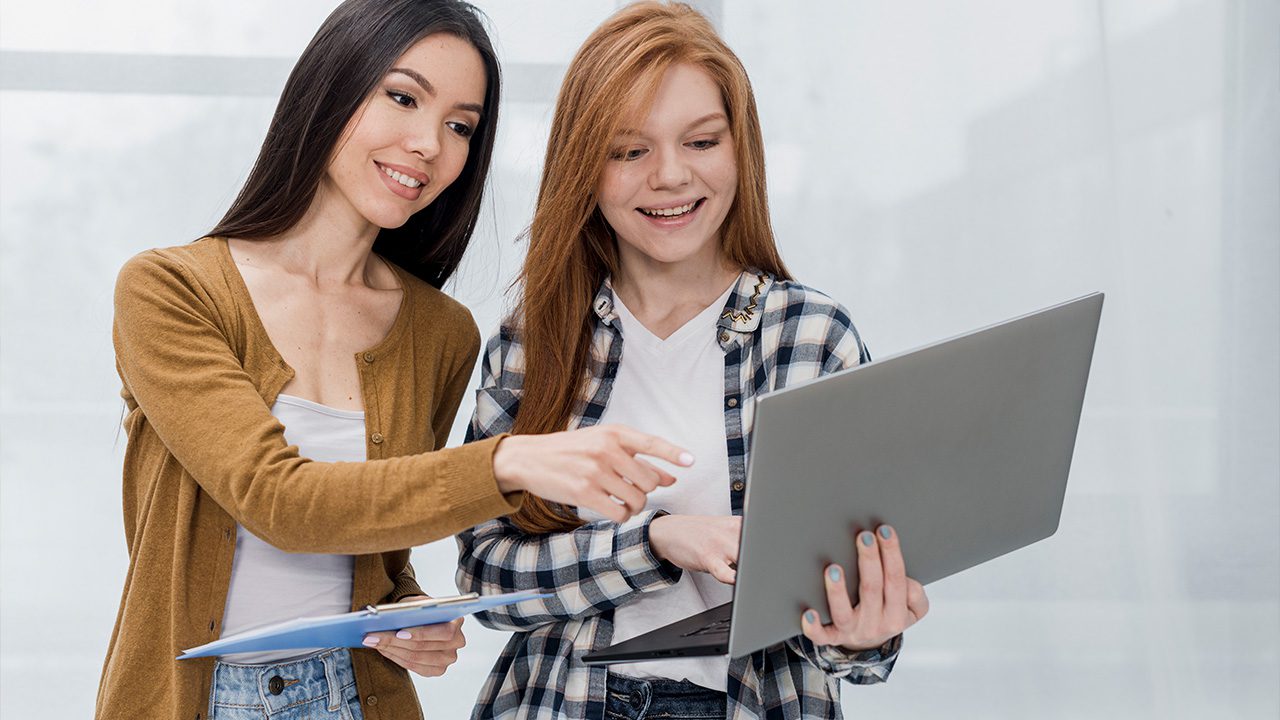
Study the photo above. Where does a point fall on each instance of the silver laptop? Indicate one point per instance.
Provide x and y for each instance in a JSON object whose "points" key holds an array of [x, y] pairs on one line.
{"points": [[963, 446]]}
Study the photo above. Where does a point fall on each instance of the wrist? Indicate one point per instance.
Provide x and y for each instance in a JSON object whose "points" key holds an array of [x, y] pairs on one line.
{"points": [[506, 460], [657, 535]]}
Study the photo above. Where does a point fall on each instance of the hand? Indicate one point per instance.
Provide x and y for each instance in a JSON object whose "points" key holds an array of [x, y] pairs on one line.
{"points": [[587, 468], [888, 601], [427, 650], [699, 543]]}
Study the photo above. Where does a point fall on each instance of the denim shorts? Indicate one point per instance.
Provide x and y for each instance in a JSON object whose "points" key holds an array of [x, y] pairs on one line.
{"points": [[635, 699], [321, 686]]}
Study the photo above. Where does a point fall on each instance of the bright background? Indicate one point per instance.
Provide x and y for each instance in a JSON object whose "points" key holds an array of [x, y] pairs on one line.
{"points": [[933, 165]]}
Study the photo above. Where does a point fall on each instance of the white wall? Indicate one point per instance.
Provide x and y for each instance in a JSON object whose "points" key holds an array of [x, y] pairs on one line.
{"points": [[935, 166]]}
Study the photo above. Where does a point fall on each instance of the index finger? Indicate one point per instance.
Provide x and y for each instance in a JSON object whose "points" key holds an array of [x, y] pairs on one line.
{"points": [[636, 442]]}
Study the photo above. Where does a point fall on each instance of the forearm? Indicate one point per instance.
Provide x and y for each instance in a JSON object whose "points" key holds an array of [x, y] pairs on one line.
{"points": [[594, 568]]}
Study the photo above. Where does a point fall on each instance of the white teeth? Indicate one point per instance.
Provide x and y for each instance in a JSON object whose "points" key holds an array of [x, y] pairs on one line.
{"points": [[404, 180], [669, 212]]}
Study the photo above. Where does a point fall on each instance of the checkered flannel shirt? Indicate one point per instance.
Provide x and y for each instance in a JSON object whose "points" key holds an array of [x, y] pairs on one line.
{"points": [[773, 333]]}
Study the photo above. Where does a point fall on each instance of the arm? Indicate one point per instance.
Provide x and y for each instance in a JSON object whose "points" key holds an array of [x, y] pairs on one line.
{"points": [[589, 570], [188, 383]]}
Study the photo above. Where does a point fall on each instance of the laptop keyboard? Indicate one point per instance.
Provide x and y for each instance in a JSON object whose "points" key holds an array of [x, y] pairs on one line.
{"points": [[711, 628]]}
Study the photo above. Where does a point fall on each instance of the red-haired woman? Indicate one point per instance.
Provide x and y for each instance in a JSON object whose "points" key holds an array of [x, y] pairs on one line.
{"points": [[652, 230]]}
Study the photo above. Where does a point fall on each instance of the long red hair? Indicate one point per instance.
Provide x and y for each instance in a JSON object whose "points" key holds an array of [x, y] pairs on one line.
{"points": [[571, 247]]}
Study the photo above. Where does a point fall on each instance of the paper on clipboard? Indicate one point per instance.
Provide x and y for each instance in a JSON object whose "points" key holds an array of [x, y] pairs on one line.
{"points": [[349, 629]]}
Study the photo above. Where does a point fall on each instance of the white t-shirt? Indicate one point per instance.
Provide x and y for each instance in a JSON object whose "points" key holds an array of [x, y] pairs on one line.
{"points": [[269, 585], [674, 388]]}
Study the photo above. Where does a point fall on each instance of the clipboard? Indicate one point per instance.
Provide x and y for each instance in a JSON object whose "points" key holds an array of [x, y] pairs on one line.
{"points": [[349, 629]]}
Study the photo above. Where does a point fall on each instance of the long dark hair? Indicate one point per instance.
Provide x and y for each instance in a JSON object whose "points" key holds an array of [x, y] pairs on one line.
{"points": [[353, 50]]}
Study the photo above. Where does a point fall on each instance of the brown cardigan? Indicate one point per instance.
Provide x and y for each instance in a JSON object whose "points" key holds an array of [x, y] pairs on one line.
{"points": [[204, 453]]}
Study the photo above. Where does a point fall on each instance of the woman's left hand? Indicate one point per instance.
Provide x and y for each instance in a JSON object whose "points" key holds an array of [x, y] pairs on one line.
{"points": [[427, 650], [888, 601]]}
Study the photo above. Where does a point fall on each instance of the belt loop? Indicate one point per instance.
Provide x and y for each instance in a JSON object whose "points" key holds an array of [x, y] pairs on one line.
{"points": [[331, 675]]}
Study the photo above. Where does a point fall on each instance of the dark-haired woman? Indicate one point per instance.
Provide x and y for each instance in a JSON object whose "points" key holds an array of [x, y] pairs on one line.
{"points": [[651, 255], [290, 381]]}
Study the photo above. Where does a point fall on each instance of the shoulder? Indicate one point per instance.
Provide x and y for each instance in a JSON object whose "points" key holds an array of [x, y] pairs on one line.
{"points": [[437, 316], [808, 323], [503, 359], [191, 270], [790, 301], [434, 301]]}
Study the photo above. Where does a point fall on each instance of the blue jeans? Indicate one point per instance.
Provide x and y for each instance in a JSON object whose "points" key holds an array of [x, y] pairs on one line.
{"points": [[321, 686], [632, 699]]}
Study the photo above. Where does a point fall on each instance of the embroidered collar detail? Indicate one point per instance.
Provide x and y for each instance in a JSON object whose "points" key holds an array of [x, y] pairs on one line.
{"points": [[741, 311]]}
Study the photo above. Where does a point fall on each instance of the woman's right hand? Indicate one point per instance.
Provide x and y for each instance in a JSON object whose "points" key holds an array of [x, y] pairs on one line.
{"points": [[588, 467], [700, 543]]}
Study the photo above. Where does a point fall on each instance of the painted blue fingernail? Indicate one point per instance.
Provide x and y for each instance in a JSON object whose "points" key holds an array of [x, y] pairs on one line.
{"points": [[811, 617], [868, 539], [833, 572], [885, 532]]}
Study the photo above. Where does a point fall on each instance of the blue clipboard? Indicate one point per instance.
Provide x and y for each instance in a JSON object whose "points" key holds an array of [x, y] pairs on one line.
{"points": [[349, 629]]}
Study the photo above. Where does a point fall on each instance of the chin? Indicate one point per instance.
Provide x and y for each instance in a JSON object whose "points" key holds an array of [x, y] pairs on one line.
{"points": [[387, 218]]}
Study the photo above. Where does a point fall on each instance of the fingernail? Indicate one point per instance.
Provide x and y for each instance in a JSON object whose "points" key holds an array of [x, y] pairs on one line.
{"points": [[833, 572], [811, 617], [404, 635], [868, 539], [885, 532], [370, 641], [686, 459]]}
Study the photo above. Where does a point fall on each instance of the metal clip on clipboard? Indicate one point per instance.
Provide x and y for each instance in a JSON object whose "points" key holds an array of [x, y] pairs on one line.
{"points": [[423, 603]]}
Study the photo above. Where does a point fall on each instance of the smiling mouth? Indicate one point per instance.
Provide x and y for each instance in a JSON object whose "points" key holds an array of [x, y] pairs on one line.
{"points": [[404, 180], [672, 212]]}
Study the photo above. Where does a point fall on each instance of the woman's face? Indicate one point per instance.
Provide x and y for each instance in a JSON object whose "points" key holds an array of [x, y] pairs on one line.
{"points": [[410, 138], [669, 182]]}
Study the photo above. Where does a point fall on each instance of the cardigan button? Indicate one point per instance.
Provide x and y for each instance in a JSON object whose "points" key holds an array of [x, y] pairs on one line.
{"points": [[371, 700], [368, 357], [377, 438]]}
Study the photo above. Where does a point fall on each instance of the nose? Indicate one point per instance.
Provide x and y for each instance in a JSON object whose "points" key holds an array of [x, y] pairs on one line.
{"points": [[669, 171], [423, 141]]}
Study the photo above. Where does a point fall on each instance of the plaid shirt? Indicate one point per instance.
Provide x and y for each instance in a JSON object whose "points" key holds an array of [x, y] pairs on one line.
{"points": [[773, 333]]}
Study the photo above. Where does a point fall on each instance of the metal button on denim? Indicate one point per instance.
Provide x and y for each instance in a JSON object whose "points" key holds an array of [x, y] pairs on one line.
{"points": [[738, 486], [276, 685], [732, 402], [637, 698]]}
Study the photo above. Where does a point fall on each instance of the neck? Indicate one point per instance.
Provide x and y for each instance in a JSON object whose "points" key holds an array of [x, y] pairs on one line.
{"points": [[331, 244], [669, 294]]}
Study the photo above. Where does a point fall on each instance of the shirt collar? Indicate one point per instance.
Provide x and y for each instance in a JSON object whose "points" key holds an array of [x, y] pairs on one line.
{"points": [[742, 310]]}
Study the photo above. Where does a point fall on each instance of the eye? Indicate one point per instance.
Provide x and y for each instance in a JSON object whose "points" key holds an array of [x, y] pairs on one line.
{"points": [[402, 99], [462, 129], [627, 155], [703, 144]]}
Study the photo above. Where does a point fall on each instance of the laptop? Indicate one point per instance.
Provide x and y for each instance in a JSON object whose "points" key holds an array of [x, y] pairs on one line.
{"points": [[963, 446]]}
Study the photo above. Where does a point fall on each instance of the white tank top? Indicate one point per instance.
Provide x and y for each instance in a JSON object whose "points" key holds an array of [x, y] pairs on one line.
{"points": [[269, 585]]}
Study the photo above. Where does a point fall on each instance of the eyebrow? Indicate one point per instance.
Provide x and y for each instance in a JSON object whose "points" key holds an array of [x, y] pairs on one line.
{"points": [[700, 121], [430, 89]]}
